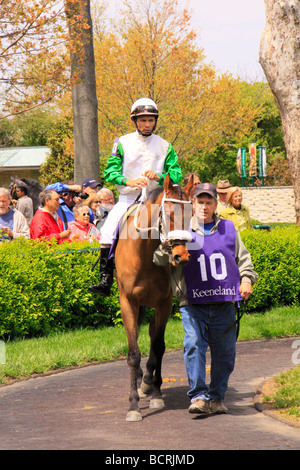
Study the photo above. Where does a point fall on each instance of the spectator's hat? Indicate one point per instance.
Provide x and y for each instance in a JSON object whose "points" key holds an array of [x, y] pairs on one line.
{"points": [[206, 188], [223, 186], [90, 182]]}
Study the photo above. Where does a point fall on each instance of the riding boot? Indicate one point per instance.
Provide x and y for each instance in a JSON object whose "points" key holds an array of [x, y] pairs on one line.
{"points": [[106, 272]]}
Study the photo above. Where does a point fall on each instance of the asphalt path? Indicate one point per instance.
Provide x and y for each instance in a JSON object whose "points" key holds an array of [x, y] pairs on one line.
{"points": [[85, 409]]}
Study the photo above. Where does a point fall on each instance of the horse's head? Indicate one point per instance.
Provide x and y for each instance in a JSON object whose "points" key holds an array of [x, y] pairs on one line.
{"points": [[13, 187], [176, 212]]}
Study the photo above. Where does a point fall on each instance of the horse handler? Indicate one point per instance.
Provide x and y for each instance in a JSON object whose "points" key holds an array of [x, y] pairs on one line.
{"points": [[136, 158], [219, 274]]}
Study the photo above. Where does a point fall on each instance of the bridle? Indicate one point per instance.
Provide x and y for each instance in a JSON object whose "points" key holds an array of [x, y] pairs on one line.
{"points": [[13, 188], [168, 238]]}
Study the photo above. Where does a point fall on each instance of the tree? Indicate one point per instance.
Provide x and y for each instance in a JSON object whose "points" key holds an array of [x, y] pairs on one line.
{"points": [[37, 54], [27, 129], [84, 98], [280, 60], [33, 57], [155, 55], [59, 166]]}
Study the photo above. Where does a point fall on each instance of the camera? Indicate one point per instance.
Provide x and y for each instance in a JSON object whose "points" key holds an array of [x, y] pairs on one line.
{"points": [[82, 195]]}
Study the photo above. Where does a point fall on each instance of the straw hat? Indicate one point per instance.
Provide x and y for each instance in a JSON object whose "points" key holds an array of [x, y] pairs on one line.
{"points": [[223, 186]]}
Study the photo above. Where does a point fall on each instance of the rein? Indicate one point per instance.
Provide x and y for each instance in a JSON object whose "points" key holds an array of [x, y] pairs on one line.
{"points": [[161, 225], [236, 323], [233, 324]]}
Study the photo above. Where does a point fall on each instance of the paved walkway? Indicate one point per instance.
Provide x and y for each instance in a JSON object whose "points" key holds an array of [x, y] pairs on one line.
{"points": [[86, 409]]}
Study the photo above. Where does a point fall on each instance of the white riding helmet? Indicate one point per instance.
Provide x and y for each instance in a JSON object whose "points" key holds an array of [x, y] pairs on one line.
{"points": [[142, 107]]}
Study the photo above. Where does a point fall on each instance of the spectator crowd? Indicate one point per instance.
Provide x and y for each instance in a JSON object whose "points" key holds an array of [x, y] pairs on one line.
{"points": [[67, 211]]}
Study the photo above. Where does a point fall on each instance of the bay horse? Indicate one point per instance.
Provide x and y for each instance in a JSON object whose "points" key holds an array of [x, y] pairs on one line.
{"points": [[33, 189], [142, 283]]}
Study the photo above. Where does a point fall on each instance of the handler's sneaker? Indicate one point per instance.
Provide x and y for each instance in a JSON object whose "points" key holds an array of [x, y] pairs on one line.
{"points": [[217, 407], [199, 407]]}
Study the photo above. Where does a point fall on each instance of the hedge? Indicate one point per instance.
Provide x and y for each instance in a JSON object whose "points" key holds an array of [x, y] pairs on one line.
{"points": [[276, 259], [44, 287]]}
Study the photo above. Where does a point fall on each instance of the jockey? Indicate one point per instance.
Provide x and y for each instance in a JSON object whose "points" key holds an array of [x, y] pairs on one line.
{"points": [[138, 159]]}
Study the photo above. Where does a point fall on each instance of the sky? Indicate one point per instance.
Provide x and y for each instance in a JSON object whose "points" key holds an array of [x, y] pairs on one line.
{"points": [[229, 31]]}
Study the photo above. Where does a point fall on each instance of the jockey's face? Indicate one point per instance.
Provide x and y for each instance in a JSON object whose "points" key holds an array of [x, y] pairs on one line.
{"points": [[146, 124]]}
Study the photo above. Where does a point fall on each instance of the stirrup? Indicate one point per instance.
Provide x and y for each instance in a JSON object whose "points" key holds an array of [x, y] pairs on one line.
{"points": [[104, 286], [100, 289]]}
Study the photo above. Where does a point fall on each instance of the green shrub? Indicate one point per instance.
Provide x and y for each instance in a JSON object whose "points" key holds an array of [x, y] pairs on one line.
{"points": [[44, 288], [276, 259]]}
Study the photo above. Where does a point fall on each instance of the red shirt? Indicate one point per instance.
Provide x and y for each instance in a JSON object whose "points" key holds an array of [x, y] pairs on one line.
{"points": [[43, 225]]}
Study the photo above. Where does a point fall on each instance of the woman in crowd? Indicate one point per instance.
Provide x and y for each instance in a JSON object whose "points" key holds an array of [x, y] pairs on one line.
{"points": [[81, 228], [94, 202], [235, 210]]}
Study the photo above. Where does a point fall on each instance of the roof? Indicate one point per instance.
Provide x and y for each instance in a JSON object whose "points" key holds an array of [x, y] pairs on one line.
{"points": [[26, 158]]}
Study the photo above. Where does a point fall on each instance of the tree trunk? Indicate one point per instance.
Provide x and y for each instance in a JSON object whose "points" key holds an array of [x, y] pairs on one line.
{"points": [[280, 60], [84, 98]]}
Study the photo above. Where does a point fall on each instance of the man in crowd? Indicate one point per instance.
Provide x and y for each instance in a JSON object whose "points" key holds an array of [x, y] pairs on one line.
{"points": [[68, 192], [222, 189], [90, 185], [24, 203], [107, 202], [12, 222], [46, 224]]}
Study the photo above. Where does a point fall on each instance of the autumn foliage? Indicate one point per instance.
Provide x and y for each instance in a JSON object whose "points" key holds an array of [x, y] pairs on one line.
{"points": [[36, 44], [155, 54], [150, 50]]}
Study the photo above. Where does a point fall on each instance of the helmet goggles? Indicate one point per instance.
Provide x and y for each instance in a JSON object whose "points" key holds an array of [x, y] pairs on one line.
{"points": [[144, 109]]}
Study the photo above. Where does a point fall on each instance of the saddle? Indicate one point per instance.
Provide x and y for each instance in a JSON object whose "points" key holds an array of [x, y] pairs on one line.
{"points": [[121, 223]]}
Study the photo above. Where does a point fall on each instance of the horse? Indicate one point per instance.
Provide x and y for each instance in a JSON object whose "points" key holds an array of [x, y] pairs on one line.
{"points": [[33, 189], [141, 283]]}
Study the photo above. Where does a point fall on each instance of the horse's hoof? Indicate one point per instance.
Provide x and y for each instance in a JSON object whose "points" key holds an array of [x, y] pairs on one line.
{"points": [[141, 393], [133, 416], [156, 403]]}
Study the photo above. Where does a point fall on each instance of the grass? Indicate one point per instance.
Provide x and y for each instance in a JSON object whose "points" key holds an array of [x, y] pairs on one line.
{"points": [[27, 357], [287, 395], [283, 395]]}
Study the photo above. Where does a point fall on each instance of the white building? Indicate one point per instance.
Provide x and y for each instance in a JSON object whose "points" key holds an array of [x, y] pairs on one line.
{"points": [[24, 162]]}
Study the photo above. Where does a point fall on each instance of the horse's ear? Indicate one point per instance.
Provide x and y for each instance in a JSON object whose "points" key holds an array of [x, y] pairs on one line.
{"points": [[189, 188], [168, 185]]}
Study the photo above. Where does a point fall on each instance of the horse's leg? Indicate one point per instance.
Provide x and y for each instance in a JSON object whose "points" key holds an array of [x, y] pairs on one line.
{"points": [[152, 379], [130, 320]]}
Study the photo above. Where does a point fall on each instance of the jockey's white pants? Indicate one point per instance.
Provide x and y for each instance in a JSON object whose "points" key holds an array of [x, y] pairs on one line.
{"points": [[109, 227]]}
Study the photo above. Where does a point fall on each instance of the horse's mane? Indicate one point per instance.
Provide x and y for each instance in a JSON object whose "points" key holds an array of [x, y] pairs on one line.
{"points": [[153, 195], [30, 182]]}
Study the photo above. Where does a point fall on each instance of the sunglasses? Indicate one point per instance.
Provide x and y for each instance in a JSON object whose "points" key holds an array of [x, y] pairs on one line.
{"points": [[147, 109]]}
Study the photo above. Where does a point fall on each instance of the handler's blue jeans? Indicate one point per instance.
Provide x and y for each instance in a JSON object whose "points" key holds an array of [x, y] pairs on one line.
{"points": [[213, 319]]}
